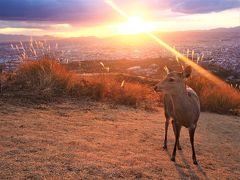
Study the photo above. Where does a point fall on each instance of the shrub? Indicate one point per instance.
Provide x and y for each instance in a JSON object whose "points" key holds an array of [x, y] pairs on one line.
{"points": [[44, 77], [214, 98], [47, 78], [109, 88]]}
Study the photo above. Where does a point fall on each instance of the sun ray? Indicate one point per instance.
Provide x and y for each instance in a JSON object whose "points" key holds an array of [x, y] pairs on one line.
{"points": [[185, 59], [116, 8]]}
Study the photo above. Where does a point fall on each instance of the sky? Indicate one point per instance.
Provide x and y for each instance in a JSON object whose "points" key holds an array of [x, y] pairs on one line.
{"points": [[73, 18]]}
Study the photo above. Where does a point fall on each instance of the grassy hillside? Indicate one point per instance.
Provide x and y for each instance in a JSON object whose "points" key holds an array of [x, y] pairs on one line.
{"points": [[47, 80]]}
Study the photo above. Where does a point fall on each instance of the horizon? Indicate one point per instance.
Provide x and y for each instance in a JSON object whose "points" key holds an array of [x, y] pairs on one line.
{"points": [[116, 35], [78, 18]]}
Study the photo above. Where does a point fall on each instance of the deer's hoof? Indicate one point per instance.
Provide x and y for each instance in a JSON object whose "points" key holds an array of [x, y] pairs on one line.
{"points": [[164, 147], [195, 162], [173, 159]]}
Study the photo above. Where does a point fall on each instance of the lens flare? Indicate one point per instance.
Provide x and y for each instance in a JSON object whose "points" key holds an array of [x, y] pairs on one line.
{"points": [[135, 25], [116, 8], [183, 58]]}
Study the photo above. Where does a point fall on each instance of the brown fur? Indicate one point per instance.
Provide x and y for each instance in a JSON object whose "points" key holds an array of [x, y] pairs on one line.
{"points": [[181, 104]]}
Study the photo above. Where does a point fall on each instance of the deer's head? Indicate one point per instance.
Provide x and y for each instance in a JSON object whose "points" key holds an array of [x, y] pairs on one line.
{"points": [[174, 82]]}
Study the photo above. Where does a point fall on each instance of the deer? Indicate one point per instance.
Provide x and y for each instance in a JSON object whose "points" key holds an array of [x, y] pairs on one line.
{"points": [[181, 103]]}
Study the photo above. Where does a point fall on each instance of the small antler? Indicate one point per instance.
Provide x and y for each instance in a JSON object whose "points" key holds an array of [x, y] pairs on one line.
{"points": [[166, 69], [180, 63]]}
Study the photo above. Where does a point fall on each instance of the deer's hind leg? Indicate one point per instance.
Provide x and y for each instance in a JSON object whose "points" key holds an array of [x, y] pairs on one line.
{"points": [[191, 134]]}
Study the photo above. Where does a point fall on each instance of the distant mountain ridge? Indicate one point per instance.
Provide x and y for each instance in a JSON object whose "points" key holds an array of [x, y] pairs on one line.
{"points": [[17, 38], [234, 31]]}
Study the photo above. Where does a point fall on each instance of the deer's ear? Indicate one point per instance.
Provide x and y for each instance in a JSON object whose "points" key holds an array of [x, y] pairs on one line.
{"points": [[187, 71]]}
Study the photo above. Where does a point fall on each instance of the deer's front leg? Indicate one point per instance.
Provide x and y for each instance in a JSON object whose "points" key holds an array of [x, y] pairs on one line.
{"points": [[166, 132], [177, 128], [174, 130]]}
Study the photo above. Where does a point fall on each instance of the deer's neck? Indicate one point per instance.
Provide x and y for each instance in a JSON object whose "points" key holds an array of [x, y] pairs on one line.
{"points": [[179, 99]]}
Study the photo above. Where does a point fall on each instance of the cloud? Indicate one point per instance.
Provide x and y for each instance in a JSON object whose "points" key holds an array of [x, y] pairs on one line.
{"points": [[52, 10], [203, 6], [184, 6], [27, 24], [96, 11]]}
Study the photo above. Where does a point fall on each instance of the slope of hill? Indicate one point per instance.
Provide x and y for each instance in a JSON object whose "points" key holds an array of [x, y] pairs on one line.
{"points": [[90, 140]]}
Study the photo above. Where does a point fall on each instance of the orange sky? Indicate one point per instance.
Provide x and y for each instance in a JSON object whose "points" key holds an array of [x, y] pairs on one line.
{"points": [[67, 20]]}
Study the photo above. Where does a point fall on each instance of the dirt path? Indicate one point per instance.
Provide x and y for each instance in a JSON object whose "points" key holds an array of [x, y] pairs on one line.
{"points": [[94, 141]]}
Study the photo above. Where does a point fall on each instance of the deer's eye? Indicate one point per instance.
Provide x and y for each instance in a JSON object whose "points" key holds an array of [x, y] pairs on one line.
{"points": [[171, 80]]}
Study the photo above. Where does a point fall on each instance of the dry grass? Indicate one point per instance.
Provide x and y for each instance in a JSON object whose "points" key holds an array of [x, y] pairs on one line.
{"points": [[47, 79], [45, 75], [90, 140], [214, 98], [121, 91]]}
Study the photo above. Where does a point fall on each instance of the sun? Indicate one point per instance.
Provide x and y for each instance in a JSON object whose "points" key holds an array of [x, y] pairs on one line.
{"points": [[135, 25]]}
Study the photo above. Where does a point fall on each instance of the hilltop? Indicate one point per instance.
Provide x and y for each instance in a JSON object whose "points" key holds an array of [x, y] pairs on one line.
{"points": [[56, 121], [84, 139]]}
